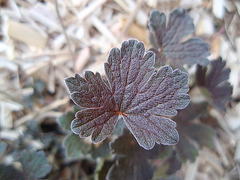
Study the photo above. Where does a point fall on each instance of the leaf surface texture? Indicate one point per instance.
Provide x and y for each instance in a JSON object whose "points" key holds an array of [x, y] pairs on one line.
{"points": [[137, 92]]}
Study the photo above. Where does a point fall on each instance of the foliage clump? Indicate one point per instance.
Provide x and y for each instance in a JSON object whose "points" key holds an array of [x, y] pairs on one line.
{"points": [[145, 90], [139, 117]]}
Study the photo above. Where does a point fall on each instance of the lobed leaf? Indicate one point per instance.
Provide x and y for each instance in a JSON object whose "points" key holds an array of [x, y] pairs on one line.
{"points": [[10, 172], [66, 119], [100, 117], [189, 131], [138, 93], [133, 161], [3, 148], [34, 164], [171, 39], [169, 166], [214, 82]]}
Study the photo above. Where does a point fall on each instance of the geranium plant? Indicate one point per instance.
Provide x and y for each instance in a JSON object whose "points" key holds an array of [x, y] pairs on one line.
{"points": [[145, 90]]}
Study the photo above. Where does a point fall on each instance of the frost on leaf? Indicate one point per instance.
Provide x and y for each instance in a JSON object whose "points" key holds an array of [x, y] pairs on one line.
{"points": [[214, 83], [99, 117], [190, 130], [142, 96], [171, 39]]}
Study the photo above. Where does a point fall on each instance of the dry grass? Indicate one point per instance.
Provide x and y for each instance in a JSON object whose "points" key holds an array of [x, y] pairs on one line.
{"points": [[53, 40]]}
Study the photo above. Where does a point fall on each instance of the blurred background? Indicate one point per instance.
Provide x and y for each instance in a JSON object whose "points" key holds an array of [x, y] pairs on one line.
{"points": [[43, 42]]}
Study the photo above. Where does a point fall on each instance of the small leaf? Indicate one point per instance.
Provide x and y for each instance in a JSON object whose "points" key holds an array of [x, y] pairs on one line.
{"points": [[190, 131], [3, 147], [119, 127], [128, 169], [75, 148], [214, 83], [173, 163], [186, 150], [172, 177], [8, 172], [100, 117], [66, 119], [34, 164], [167, 167], [132, 161], [171, 39], [101, 150], [140, 95], [104, 169]]}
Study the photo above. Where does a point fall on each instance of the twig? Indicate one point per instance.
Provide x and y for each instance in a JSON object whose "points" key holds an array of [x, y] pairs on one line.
{"points": [[219, 117], [122, 5], [103, 29], [87, 11], [238, 170], [32, 115], [211, 159], [131, 19], [221, 152], [64, 31], [192, 170], [227, 33], [35, 67]]}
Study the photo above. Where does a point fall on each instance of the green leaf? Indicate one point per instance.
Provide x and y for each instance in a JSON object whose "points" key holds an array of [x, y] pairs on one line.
{"points": [[75, 147], [3, 147], [8, 172], [66, 119], [34, 164], [100, 150]]}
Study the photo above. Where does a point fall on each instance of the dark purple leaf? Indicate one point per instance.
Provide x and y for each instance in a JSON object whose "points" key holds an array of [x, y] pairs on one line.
{"points": [[132, 160], [189, 131], [139, 169], [100, 116], [168, 166], [174, 164], [105, 168], [138, 93], [214, 83], [160, 59], [171, 39], [185, 149]]}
